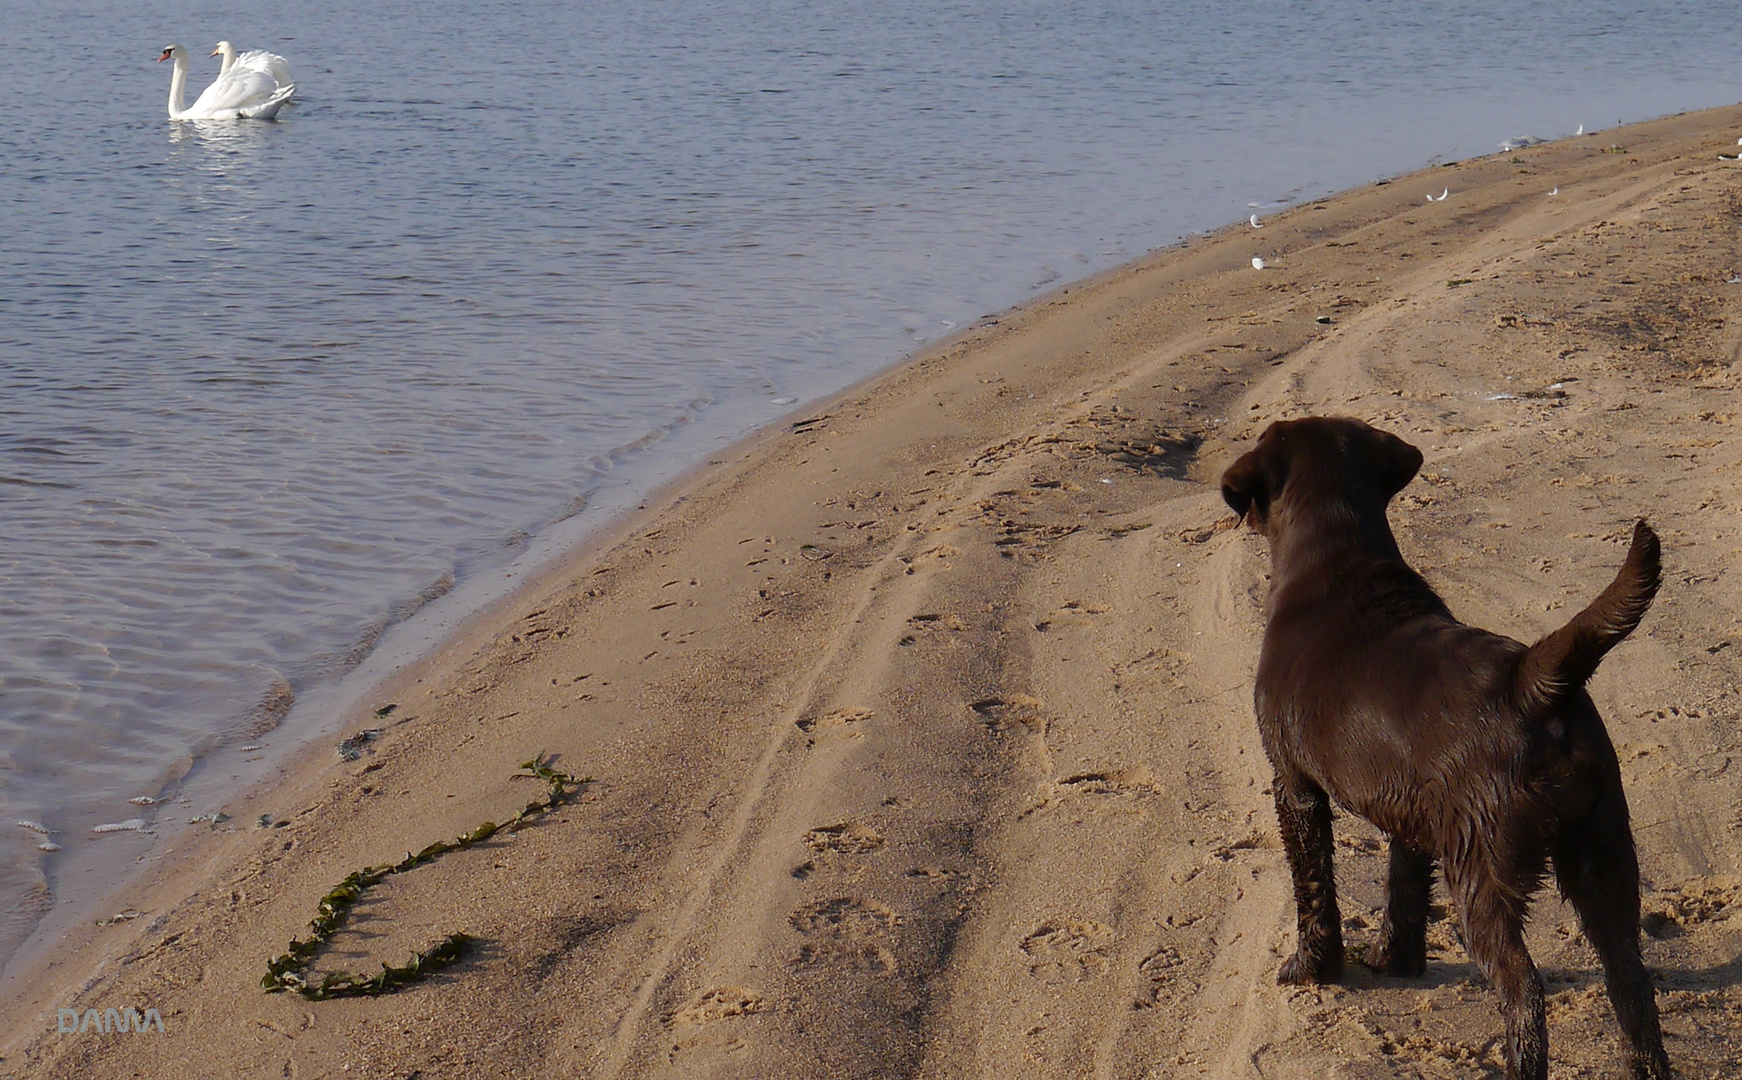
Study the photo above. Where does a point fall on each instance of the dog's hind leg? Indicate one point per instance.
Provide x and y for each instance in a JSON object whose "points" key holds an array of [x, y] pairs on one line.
{"points": [[1402, 945], [1494, 935], [1303, 814], [1598, 872]]}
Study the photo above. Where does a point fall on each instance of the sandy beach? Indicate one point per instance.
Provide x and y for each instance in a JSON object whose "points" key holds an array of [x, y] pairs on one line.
{"points": [[919, 730]]}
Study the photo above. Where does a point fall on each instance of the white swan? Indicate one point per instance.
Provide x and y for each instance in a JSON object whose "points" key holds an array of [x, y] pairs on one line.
{"points": [[236, 94], [258, 59]]}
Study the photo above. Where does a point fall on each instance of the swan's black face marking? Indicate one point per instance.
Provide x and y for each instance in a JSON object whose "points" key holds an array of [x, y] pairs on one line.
{"points": [[165, 56]]}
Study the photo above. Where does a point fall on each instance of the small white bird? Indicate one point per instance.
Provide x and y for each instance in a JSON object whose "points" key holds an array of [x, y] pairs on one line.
{"points": [[1254, 220], [1581, 130], [1257, 263], [1556, 191], [1441, 197]]}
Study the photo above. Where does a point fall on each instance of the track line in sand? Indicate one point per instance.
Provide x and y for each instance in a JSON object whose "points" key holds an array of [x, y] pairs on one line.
{"points": [[781, 732], [755, 811]]}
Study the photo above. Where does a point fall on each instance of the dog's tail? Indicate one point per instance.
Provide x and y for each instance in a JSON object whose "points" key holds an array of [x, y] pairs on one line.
{"points": [[1560, 663]]}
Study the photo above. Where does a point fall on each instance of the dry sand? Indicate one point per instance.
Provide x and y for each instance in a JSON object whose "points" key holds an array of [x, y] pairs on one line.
{"points": [[921, 728]]}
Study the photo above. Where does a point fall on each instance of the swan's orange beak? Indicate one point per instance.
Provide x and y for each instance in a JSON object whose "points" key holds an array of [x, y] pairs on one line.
{"points": [[164, 57], [214, 52]]}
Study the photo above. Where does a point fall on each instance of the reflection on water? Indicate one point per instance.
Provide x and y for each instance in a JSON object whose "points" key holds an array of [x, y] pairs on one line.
{"points": [[239, 137], [263, 386]]}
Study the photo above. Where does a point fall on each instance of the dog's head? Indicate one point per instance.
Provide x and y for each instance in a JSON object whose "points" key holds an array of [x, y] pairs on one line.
{"points": [[1320, 457]]}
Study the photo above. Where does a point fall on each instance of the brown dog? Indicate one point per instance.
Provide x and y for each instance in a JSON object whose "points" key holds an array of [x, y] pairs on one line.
{"points": [[1465, 747]]}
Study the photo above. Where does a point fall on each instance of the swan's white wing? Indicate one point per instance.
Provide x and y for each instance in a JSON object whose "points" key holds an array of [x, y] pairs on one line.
{"points": [[231, 92], [268, 109], [271, 63]]}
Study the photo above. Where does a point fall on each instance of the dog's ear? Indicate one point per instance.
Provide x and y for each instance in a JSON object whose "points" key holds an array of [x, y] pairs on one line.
{"points": [[1398, 463], [1248, 485]]}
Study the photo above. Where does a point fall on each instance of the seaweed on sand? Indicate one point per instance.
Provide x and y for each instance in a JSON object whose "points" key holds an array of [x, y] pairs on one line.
{"points": [[289, 970]]}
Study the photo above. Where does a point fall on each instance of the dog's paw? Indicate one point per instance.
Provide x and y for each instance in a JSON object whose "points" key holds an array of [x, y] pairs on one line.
{"points": [[1391, 958], [1653, 1065], [1304, 970]]}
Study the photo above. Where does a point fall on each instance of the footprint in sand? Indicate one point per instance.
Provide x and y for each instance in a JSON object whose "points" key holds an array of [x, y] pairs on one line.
{"points": [[932, 620], [938, 875], [1164, 452], [1674, 912], [719, 1003], [1161, 969], [1095, 783], [1068, 950], [1000, 713], [847, 838], [1072, 613], [843, 721], [1110, 784], [1027, 540], [847, 931]]}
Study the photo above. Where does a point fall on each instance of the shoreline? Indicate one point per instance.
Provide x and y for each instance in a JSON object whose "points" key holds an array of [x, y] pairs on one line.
{"points": [[315, 707], [764, 807], [218, 777], [451, 624]]}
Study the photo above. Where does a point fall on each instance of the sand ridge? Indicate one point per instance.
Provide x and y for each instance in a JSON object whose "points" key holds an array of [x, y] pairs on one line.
{"points": [[921, 726]]}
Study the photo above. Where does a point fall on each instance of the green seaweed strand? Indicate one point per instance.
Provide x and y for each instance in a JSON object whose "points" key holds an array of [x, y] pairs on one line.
{"points": [[288, 971]]}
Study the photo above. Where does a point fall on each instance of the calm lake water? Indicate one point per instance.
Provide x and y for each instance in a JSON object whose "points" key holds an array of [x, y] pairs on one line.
{"points": [[265, 387]]}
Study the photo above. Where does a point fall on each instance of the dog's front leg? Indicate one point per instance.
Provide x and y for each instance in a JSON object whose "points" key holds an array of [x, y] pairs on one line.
{"points": [[1303, 813], [1402, 945]]}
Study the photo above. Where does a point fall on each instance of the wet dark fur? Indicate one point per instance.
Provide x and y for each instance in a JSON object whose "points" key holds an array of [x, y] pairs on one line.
{"points": [[1468, 748]]}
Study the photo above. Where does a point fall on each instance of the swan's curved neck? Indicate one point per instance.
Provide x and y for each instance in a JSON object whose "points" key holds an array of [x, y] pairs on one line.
{"points": [[177, 81]]}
